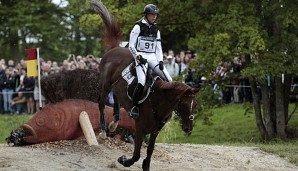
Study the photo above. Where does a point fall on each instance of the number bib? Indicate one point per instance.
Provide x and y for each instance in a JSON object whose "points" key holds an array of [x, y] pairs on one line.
{"points": [[146, 44]]}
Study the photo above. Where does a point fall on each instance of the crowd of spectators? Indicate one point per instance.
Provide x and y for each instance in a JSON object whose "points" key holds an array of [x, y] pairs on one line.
{"points": [[226, 81], [19, 93]]}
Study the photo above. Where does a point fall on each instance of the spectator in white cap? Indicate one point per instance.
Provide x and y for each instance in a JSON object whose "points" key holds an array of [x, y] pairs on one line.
{"points": [[203, 80], [171, 66]]}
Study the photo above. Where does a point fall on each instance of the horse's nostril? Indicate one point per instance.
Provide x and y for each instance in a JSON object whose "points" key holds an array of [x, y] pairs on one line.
{"points": [[186, 130]]}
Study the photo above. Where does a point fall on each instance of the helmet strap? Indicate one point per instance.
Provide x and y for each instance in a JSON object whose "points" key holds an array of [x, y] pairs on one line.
{"points": [[147, 19]]}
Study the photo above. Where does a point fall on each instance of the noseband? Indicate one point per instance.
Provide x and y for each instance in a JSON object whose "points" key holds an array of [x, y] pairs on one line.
{"points": [[191, 117]]}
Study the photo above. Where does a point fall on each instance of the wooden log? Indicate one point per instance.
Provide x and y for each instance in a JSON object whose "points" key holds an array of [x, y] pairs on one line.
{"points": [[87, 129], [65, 124]]}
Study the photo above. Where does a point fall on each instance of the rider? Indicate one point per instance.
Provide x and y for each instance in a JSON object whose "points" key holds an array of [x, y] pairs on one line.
{"points": [[145, 46]]}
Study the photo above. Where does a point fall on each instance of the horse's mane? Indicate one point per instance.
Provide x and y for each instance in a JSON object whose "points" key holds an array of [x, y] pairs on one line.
{"points": [[173, 85], [112, 34]]}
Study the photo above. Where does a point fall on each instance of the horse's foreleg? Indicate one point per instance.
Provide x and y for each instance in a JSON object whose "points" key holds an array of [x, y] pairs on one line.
{"points": [[150, 148], [113, 125], [136, 154]]}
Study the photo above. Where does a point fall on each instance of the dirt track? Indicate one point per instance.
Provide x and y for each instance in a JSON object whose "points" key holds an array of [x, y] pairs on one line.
{"points": [[77, 155]]}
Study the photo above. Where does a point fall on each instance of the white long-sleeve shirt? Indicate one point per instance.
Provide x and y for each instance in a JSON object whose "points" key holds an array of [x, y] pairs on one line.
{"points": [[134, 39]]}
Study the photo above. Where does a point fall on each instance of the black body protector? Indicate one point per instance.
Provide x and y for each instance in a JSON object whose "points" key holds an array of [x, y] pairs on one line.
{"points": [[146, 41]]}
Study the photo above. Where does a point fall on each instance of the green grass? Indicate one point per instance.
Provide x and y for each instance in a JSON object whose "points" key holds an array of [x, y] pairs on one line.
{"points": [[228, 124], [9, 123], [287, 150]]}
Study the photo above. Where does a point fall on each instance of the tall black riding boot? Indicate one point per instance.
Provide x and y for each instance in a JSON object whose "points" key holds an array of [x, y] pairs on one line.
{"points": [[134, 112]]}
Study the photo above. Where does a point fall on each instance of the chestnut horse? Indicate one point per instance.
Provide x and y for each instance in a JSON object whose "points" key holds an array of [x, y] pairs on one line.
{"points": [[156, 110]]}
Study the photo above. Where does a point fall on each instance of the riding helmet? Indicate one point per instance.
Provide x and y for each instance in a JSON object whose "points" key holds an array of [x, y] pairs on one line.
{"points": [[151, 9]]}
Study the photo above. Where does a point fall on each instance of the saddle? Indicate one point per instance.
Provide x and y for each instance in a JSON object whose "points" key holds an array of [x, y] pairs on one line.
{"points": [[129, 74]]}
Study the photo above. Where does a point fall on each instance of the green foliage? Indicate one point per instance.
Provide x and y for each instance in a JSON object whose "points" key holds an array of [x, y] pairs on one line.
{"points": [[218, 31], [57, 31], [21, 24], [264, 30], [77, 29], [207, 99], [90, 22]]}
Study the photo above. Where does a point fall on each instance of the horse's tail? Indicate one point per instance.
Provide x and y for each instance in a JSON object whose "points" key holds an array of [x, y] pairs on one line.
{"points": [[112, 34]]}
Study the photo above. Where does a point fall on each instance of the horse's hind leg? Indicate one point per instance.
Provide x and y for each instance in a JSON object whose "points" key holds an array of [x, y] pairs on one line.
{"points": [[101, 106], [150, 148], [113, 125], [136, 154], [116, 109]]}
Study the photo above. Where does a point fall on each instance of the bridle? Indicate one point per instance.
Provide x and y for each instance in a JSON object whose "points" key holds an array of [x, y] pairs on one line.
{"points": [[177, 102], [191, 117]]}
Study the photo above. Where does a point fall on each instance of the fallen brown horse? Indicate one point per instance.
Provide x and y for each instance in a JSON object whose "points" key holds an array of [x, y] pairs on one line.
{"points": [[60, 121], [156, 110]]}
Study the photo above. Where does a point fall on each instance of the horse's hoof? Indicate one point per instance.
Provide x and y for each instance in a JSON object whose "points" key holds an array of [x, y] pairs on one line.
{"points": [[146, 165], [124, 161], [113, 126], [103, 135]]}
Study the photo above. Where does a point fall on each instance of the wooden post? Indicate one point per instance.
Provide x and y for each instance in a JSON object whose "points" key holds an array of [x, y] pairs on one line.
{"points": [[87, 129]]}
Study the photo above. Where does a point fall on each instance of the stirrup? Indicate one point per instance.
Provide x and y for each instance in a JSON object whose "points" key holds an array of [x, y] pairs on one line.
{"points": [[134, 112]]}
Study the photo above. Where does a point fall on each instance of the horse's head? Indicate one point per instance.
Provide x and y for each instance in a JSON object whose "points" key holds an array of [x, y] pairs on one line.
{"points": [[185, 107], [185, 102]]}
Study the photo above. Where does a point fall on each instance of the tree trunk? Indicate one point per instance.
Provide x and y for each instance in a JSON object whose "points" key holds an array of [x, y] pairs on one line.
{"points": [[280, 109], [267, 110], [14, 51], [77, 42], [89, 45], [257, 107], [287, 84]]}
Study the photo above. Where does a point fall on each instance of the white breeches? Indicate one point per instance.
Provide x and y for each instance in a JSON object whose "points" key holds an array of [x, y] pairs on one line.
{"points": [[154, 65]]}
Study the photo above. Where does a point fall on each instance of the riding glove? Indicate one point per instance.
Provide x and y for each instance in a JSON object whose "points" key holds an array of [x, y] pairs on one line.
{"points": [[161, 65], [141, 59]]}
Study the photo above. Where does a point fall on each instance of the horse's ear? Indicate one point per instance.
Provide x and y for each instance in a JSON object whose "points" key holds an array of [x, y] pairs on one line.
{"points": [[195, 90], [192, 91]]}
